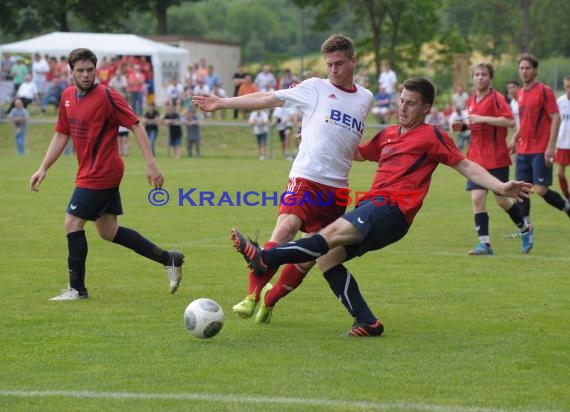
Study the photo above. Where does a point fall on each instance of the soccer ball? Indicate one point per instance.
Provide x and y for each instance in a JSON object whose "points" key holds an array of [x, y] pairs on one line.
{"points": [[203, 318]]}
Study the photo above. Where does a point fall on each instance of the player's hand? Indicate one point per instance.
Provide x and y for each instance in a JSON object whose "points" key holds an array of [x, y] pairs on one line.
{"points": [[512, 147], [154, 177], [207, 102], [36, 179], [473, 119], [517, 189]]}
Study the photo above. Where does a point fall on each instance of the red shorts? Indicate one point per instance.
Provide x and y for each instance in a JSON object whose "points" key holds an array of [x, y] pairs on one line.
{"points": [[562, 157], [317, 205]]}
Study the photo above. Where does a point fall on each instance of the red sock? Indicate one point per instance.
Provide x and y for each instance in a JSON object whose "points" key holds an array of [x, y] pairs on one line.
{"points": [[564, 186], [291, 277], [256, 283]]}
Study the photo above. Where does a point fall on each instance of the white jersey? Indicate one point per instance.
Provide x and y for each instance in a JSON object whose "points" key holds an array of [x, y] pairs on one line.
{"points": [[333, 123], [563, 141]]}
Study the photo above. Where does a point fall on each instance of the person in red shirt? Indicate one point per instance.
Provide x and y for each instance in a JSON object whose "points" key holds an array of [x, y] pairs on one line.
{"points": [[488, 118], [535, 140], [104, 72], [136, 89], [90, 114], [407, 155]]}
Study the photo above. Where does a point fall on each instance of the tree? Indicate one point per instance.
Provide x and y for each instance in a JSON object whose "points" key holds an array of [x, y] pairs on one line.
{"points": [[385, 19]]}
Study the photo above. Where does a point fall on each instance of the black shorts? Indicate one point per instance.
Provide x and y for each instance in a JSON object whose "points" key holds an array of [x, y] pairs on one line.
{"points": [[501, 173], [283, 133], [532, 169], [91, 204], [380, 223]]}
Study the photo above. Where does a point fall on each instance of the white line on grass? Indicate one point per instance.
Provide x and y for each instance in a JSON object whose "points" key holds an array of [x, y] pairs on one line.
{"points": [[272, 400]]}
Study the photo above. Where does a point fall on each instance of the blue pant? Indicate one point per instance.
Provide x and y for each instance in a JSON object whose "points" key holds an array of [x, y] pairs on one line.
{"points": [[137, 102], [152, 135], [20, 142]]}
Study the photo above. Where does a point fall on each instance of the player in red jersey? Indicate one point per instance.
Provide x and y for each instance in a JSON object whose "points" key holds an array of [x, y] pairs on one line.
{"points": [[489, 117], [90, 114], [407, 155], [535, 139], [334, 113]]}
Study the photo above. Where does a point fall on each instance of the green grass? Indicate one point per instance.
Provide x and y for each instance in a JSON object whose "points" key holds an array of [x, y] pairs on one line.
{"points": [[462, 333]]}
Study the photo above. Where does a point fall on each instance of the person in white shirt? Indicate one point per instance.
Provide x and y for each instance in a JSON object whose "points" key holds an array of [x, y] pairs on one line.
{"points": [[459, 98], [562, 155], [388, 79], [512, 90], [284, 119], [462, 137], [27, 92], [259, 119], [334, 111], [265, 80], [175, 92], [40, 69]]}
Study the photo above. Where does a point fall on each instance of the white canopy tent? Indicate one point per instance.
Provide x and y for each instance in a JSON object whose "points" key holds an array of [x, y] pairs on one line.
{"points": [[167, 61]]}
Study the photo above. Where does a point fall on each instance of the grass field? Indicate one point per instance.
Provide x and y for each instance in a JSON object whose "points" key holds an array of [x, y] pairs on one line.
{"points": [[462, 333]]}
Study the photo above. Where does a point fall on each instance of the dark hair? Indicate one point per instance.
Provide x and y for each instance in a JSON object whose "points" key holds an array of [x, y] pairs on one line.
{"points": [[513, 81], [567, 78], [529, 58], [77, 55], [338, 42], [484, 65], [423, 86]]}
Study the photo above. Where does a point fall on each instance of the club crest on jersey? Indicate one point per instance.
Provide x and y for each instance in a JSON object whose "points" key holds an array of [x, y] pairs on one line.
{"points": [[345, 120]]}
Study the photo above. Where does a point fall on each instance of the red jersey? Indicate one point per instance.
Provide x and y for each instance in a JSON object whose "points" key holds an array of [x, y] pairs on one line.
{"points": [[407, 161], [489, 143], [104, 75], [93, 122], [535, 106]]}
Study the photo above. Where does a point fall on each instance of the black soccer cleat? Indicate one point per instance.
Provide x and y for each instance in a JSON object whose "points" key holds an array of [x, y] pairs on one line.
{"points": [[250, 251], [360, 329]]}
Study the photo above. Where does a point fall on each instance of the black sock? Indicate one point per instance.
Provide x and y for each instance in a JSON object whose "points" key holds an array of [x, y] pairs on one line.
{"points": [[77, 254], [345, 287], [516, 216], [135, 241], [482, 224], [554, 199], [299, 251], [524, 207]]}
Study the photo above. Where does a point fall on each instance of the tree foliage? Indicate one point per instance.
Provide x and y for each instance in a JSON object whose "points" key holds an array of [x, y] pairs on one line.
{"points": [[392, 31]]}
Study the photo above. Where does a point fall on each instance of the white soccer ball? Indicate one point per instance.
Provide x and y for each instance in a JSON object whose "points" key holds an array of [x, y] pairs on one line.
{"points": [[203, 318]]}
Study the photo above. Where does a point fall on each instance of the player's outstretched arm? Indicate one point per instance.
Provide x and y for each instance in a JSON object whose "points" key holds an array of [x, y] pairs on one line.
{"points": [[474, 172], [56, 147], [253, 101]]}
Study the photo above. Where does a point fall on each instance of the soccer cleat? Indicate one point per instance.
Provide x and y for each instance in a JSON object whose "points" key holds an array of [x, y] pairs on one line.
{"points": [[174, 270], [264, 312], [360, 329], [527, 241], [70, 294], [246, 307], [481, 249], [250, 251]]}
